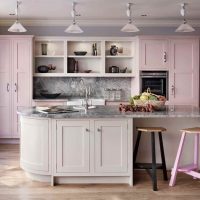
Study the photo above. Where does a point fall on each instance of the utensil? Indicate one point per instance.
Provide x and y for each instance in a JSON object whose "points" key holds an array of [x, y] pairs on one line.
{"points": [[87, 71], [80, 53], [43, 69], [71, 65], [113, 69], [50, 95], [113, 50]]}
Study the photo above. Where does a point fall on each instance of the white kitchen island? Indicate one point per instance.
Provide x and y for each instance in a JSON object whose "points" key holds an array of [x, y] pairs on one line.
{"points": [[92, 147]]}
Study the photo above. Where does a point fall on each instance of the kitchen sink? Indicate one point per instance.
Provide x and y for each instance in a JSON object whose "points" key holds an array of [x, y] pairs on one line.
{"points": [[56, 110], [83, 107]]}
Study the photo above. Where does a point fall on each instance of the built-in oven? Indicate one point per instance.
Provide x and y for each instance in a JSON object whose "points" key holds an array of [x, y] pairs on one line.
{"points": [[157, 81]]}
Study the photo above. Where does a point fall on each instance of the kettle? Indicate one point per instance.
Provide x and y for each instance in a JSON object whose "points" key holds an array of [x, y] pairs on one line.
{"points": [[113, 69]]}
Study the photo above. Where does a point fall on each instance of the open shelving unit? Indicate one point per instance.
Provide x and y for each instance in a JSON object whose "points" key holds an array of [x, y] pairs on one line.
{"points": [[61, 49]]}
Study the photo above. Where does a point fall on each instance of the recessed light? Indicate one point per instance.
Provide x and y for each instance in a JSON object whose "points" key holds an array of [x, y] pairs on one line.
{"points": [[144, 15]]}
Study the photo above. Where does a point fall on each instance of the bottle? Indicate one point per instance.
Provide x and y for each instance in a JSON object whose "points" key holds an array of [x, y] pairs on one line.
{"points": [[76, 67], [94, 49]]}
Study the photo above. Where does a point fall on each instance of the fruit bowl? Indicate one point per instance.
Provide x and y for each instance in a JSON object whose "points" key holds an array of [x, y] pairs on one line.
{"points": [[148, 98], [158, 105]]}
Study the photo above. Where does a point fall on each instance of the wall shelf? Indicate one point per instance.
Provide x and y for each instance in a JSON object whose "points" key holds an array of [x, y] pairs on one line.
{"points": [[74, 56], [61, 49]]}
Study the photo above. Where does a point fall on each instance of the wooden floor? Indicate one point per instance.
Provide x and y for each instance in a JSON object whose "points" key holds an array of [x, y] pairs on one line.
{"points": [[14, 185]]}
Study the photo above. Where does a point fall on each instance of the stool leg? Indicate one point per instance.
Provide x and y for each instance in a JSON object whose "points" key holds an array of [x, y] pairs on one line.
{"points": [[196, 151], [153, 149], [136, 147], [163, 157], [178, 155]]}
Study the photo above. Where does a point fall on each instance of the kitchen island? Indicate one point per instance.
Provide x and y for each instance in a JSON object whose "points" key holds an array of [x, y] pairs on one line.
{"points": [[97, 146]]}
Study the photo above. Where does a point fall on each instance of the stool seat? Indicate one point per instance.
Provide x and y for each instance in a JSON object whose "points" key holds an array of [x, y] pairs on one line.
{"points": [[191, 130], [151, 129]]}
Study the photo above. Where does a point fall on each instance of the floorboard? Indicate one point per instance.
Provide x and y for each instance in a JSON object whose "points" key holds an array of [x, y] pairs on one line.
{"points": [[14, 185]]}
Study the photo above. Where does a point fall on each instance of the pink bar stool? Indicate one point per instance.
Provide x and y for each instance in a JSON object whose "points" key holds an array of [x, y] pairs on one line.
{"points": [[191, 169]]}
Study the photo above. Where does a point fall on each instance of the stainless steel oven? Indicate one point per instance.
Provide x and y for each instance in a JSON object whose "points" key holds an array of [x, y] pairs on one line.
{"points": [[157, 81]]}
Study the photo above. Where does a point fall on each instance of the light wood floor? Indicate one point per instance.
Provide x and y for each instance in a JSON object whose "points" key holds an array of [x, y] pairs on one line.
{"points": [[14, 185]]}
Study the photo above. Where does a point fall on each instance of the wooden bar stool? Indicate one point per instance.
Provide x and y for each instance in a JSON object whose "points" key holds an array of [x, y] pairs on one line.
{"points": [[191, 169], [151, 166]]}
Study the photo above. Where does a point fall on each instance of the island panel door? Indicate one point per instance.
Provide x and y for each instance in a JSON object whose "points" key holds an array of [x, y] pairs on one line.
{"points": [[111, 146], [5, 89], [72, 146]]}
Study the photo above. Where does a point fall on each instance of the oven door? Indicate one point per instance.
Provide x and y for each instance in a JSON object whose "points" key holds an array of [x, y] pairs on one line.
{"points": [[157, 85]]}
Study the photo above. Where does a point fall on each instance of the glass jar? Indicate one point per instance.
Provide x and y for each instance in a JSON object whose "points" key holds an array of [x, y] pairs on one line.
{"points": [[107, 93], [112, 94], [118, 94]]}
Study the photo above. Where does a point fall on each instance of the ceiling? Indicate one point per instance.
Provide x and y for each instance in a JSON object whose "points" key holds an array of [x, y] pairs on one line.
{"points": [[100, 12]]}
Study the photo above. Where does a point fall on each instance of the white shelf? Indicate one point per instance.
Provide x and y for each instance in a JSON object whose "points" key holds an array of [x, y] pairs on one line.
{"points": [[118, 75], [48, 74], [49, 56], [59, 49], [74, 56], [84, 75], [119, 56]]}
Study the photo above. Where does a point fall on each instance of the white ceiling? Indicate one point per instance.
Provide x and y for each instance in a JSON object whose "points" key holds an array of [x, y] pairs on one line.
{"points": [[104, 12]]}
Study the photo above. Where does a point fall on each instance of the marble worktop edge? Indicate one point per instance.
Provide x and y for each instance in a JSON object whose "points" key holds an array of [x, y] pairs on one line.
{"points": [[113, 112]]}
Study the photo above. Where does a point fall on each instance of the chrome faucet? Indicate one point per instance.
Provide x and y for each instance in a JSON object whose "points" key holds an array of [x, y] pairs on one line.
{"points": [[87, 94]]}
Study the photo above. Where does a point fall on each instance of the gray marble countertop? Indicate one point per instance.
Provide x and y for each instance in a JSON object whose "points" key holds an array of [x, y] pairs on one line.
{"points": [[75, 98], [113, 112]]}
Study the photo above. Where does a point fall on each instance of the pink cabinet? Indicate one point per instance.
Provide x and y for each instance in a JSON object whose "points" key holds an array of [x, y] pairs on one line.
{"points": [[22, 78], [153, 54], [5, 88], [184, 72], [16, 79]]}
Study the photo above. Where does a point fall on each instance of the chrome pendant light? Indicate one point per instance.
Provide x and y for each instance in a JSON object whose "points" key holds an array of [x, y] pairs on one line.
{"points": [[129, 27], [74, 28], [184, 27], [17, 27]]}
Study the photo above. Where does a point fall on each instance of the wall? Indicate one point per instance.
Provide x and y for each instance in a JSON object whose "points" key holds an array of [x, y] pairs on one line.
{"points": [[96, 31], [74, 87]]}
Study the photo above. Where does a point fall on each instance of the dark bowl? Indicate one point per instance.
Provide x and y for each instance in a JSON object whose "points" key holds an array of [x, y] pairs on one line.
{"points": [[43, 69], [80, 53], [50, 95]]}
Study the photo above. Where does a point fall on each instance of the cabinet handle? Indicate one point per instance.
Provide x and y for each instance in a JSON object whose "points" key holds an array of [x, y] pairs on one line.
{"points": [[8, 87], [15, 87], [99, 130], [173, 90], [165, 57], [87, 130]]}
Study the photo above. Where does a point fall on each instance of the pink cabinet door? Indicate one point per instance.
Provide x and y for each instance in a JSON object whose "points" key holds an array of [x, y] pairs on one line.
{"points": [[184, 72], [154, 54], [22, 52], [5, 89]]}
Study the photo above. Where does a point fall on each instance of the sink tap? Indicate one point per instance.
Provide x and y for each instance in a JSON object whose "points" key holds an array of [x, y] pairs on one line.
{"points": [[86, 98]]}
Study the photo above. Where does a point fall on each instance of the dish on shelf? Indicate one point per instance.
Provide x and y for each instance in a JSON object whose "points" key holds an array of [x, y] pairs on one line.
{"points": [[80, 53], [87, 71], [43, 69], [49, 95]]}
